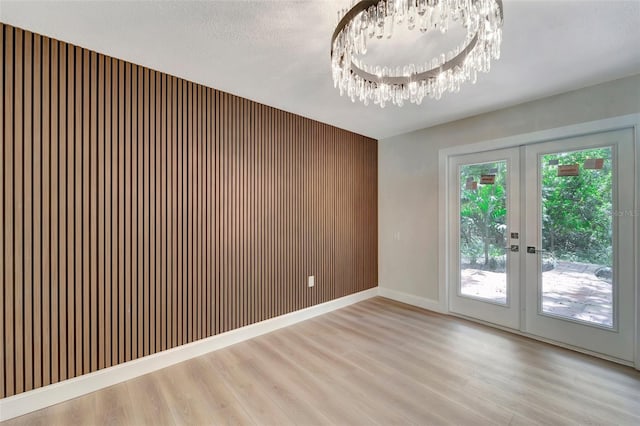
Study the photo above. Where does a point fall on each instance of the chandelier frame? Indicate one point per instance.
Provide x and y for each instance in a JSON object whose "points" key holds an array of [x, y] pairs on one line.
{"points": [[403, 81]]}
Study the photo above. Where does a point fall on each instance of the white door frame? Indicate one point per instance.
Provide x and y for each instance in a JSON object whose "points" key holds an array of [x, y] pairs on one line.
{"points": [[616, 123]]}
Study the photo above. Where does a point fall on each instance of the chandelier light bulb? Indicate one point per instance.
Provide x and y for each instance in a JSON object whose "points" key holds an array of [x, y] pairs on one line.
{"points": [[368, 19]]}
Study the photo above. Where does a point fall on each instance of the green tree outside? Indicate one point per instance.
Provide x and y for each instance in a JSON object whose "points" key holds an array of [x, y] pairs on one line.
{"points": [[483, 214], [576, 211]]}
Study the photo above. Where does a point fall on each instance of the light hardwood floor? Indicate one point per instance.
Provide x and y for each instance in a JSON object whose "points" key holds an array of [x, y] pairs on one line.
{"points": [[376, 362]]}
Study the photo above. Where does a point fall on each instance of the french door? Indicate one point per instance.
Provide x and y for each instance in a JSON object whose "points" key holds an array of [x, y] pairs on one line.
{"points": [[485, 236], [542, 240]]}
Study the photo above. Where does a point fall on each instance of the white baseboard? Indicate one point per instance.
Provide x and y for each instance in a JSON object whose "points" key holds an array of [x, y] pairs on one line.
{"points": [[56, 393], [410, 299]]}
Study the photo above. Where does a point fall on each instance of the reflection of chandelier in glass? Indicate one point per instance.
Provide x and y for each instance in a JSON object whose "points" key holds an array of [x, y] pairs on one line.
{"points": [[482, 20]]}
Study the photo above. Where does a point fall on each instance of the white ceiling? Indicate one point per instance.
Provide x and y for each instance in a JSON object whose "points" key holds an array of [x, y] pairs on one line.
{"points": [[277, 52]]}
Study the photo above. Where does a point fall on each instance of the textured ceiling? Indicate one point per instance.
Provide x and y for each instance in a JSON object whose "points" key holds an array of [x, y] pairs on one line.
{"points": [[277, 52]]}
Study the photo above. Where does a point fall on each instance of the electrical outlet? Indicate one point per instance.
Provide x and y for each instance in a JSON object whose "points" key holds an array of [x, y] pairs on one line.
{"points": [[311, 280]]}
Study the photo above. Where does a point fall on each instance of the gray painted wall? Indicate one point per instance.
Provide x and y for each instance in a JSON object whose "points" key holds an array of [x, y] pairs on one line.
{"points": [[408, 174]]}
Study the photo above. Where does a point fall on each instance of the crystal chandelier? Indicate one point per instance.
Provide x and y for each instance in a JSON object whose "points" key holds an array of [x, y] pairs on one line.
{"points": [[481, 19]]}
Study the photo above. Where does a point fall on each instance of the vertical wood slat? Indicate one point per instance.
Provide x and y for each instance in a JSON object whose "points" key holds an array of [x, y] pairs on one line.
{"points": [[128, 244], [136, 178], [150, 216], [110, 346], [139, 212], [27, 163], [198, 225], [62, 212], [145, 219], [46, 249], [164, 231], [66, 102], [224, 212], [90, 348], [189, 184], [37, 212], [122, 308], [2, 259], [209, 205], [157, 231], [77, 256], [215, 204], [8, 229], [101, 210], [87, 277], [172, 195], [180, 212], [18, 210], [54, 196]]}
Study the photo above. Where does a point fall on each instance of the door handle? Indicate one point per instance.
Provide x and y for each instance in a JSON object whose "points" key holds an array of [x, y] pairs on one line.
{"points": [[533, 250], [514, 248]]}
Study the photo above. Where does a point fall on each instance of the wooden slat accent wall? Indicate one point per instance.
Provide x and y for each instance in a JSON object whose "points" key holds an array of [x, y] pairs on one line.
{"points": [[140, 211]]}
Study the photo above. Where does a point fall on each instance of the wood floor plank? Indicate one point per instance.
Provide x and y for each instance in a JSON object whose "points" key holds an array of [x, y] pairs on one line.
{"points": [[113, 406], [333, 371], [544, 387], [375, 362], [197, 396], [288, 364], [148, 403], [253, 395]]}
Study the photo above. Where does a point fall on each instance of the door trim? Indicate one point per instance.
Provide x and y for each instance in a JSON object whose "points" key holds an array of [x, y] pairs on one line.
{"points": [[631, 121]]}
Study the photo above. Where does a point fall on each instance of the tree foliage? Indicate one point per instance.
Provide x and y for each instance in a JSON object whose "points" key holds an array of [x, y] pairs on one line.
{"points": [[576, 211], [483, 214]]}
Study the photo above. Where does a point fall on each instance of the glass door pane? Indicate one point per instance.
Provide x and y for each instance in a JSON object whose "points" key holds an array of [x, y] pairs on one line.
{"points": [[483, 231], [577, 236]]}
